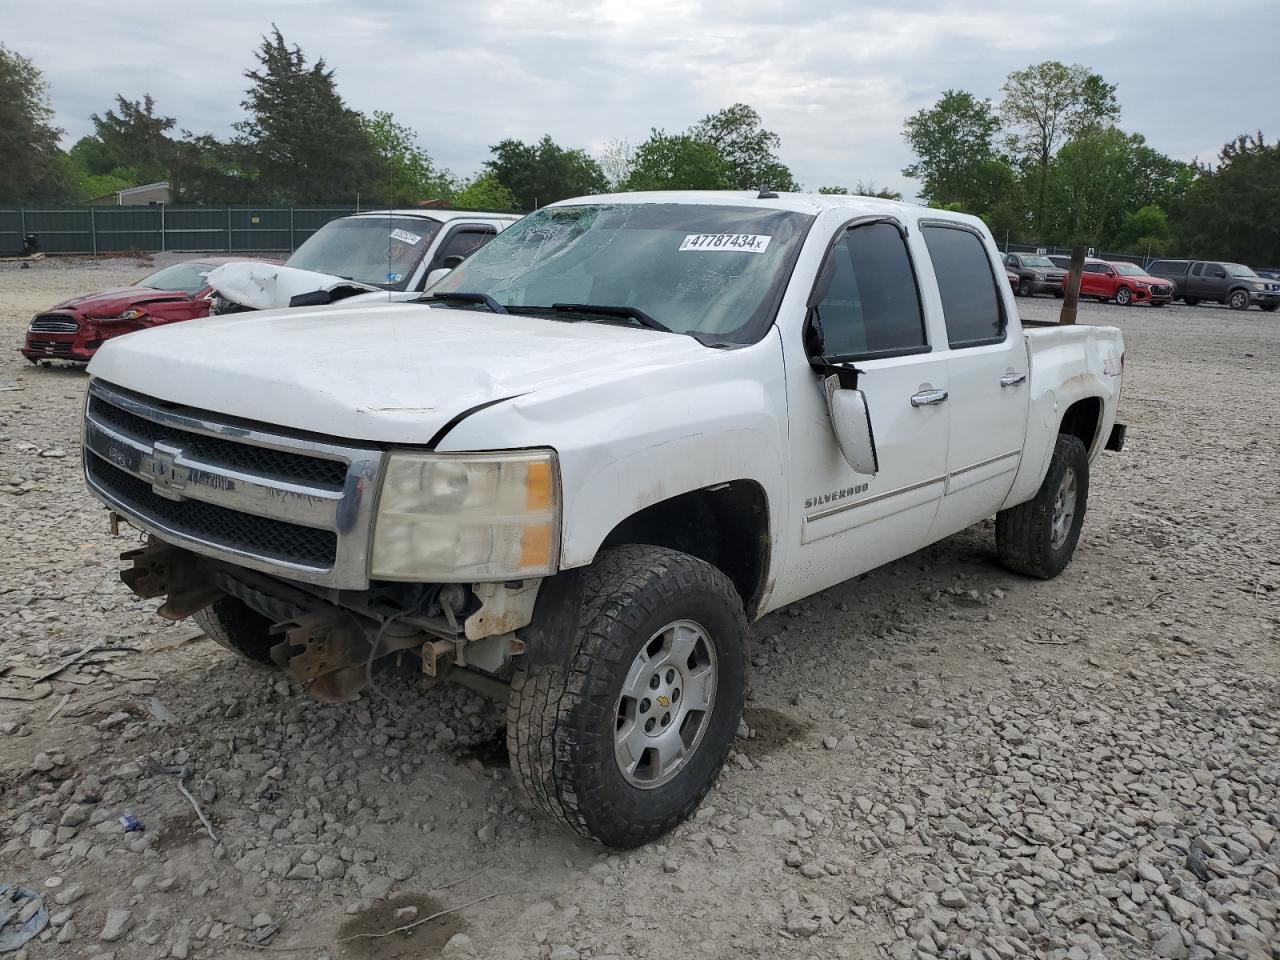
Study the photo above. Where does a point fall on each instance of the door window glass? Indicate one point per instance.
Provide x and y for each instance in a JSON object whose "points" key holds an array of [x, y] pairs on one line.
{"points": [[871, 306], [971, 303]]}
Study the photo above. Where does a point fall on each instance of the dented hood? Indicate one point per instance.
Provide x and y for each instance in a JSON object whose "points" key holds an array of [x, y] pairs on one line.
{"points": [[262, 286], [393, 373]]}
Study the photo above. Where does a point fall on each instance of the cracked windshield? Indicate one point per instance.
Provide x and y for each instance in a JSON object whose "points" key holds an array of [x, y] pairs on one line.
{"points": [[698, 269]]}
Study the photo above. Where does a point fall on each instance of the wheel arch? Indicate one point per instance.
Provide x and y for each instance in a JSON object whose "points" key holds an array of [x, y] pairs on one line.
{"points": [[726, 525]]}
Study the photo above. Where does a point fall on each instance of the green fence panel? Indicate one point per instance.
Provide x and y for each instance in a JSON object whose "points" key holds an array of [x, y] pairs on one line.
{"points": [[121, 229], [10, 232], [94, 230], [62, 231]]}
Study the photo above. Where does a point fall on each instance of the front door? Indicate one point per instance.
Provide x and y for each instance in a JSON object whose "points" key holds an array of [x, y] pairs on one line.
{"points": [[987, 371], [868, 308]]}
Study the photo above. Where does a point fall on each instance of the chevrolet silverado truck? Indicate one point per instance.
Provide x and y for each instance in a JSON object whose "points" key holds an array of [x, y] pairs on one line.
{"points": [[1036, 274], [577, 469], [379, 255]]}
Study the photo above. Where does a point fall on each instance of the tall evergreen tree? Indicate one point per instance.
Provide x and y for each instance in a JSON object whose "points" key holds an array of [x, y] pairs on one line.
{"points": [[34, 165], [308, 146]]}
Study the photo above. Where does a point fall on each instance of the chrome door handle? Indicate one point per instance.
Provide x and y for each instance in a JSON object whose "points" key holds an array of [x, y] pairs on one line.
{"points": [[1013, 379], [927, 398]]}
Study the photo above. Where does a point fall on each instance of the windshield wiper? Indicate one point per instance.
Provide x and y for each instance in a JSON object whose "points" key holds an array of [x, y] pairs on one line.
{"points": [[462, 297], [606, 310]]}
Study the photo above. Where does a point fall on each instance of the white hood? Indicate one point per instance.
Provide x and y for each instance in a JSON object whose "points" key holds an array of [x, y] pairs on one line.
{"points": [[392, 373], [263, 286]]}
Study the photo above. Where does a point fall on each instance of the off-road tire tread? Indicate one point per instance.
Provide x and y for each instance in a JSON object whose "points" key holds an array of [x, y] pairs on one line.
{"points": [[623, 588], [1023, 531], [231, 624]]}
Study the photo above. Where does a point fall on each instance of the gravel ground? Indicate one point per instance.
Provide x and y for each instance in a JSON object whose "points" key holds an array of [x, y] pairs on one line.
{"points": [[941, 758]]}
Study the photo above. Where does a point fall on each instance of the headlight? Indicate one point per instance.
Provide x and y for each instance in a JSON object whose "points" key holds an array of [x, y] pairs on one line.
{"points": [[132, 313], [1259, 286], [1039, 277], [464, 517]]}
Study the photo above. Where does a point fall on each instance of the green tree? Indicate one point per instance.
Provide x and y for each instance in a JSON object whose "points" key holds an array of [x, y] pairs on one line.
{"points": [[307, 145], [748, 150], [33, 165], [1145, 230], [1087, 199], [677, 162], [485, 192], [953, 141], [1048, 103], [207, 170], [544, 172], [871, 190], [131, 142], [407, 173], [1229, 211]]}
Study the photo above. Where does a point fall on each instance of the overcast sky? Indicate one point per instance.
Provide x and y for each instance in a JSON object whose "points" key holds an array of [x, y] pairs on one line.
{"points": [[834, 78]]}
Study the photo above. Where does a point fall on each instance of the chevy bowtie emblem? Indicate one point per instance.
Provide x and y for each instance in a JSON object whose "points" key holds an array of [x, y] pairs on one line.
{"points": [[167, 477], [663, 702]]}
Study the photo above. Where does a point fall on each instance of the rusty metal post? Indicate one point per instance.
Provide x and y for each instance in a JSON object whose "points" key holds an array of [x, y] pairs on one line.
{"points": [[1072, 296]]}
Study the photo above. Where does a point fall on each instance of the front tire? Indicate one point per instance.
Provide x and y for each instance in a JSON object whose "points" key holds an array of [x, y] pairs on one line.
{"points": [[1024, 289], [1238, 300], [230, 623], [1268, 308], [1038, 538], [624, 741], [1190, 301], [1124, 297]]}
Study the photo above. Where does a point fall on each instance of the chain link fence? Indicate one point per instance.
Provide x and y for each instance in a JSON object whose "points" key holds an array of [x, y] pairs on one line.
{"points": [[1141, 259]]}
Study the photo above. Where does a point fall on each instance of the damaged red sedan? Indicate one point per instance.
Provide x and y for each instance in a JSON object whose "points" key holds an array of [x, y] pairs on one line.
{"points": [[74, 329]]}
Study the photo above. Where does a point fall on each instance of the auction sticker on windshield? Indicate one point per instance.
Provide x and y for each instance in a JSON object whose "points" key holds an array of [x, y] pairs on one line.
{"points": [[731, 242], [410, 238]]}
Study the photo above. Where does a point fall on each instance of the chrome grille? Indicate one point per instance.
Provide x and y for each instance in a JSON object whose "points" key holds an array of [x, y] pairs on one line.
{"points": [[54, 323], [282, 503]]}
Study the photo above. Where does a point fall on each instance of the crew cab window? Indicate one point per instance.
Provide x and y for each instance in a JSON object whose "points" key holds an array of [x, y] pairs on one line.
{"points": [[1195, 271], [463, 242], [871, 306], [971, 303]]}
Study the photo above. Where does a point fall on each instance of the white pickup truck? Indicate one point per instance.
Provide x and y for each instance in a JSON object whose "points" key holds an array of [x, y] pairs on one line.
{"points": [[578, 468]]}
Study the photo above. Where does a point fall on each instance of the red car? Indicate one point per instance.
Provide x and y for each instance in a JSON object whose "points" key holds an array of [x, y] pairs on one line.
{"points": [[1125, 283], [74, 329]]}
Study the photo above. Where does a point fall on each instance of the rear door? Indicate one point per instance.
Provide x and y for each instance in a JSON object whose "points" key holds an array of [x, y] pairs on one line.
{"points": [[986, 373]]}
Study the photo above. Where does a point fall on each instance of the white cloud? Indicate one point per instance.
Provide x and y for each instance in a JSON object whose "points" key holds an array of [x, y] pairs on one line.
{"points": [[834, 79]]}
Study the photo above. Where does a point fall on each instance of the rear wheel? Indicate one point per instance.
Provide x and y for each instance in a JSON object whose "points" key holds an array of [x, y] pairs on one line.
{"points": [[624, 741], [230, 623], [1238, 300], [1038, 538], [1124, 297]]}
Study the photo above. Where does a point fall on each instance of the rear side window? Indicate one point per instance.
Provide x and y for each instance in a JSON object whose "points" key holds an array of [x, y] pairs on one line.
{"points": [[971, 303], [871, 306]]}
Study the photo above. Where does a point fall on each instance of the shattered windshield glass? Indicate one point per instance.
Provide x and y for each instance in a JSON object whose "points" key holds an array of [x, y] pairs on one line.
{"points": [[381, 251], [712, 271]]}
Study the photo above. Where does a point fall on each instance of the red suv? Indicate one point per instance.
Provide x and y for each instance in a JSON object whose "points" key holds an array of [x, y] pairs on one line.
{"points": [[1125, 283], [74, 329]]}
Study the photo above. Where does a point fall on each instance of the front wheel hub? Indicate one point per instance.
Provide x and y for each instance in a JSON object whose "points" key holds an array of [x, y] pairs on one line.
{"points": [[665, 704]]}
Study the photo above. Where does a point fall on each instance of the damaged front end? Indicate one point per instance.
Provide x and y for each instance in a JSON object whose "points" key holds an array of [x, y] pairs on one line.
{"points": [[330, 640]]}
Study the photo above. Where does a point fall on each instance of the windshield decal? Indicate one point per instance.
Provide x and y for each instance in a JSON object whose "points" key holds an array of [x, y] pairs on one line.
{"points": [[412, 239], [730, 242]]}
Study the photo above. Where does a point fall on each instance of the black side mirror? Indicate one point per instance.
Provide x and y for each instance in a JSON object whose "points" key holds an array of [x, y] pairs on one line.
{"points": [[453, 261]]}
